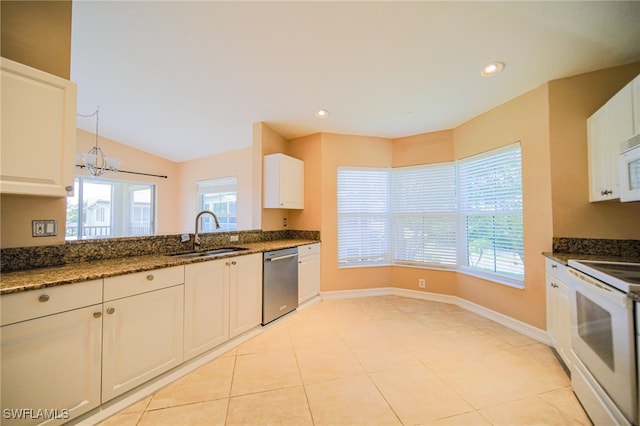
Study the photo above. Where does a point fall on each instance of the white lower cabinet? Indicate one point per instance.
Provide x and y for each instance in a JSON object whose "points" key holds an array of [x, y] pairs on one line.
{"points": [[223, 298], [51, 363], [559, 310], [142, 334], [245, 293], [308, 271]]}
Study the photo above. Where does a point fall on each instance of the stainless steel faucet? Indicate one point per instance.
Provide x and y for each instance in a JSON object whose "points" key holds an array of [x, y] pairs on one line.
{"points": [[196, 238]]}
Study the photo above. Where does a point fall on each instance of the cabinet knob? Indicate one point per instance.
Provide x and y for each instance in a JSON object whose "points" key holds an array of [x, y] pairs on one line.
{"points": [[228, 263], [234, 263], [150, 277], [43, 298], [111, 310], [68, 188], [97, 314]]}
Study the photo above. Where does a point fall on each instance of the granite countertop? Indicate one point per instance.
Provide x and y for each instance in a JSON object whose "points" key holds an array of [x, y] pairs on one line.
{"points": [[32, 279], [565, 257]]}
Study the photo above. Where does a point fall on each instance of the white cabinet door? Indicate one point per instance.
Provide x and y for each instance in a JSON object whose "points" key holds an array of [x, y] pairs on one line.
{"points": [[245, 293], [38, 132], [308, 271], [142, 338], [608, 128], [283, 182], [558, 310], [206, 316], [52, 363]]}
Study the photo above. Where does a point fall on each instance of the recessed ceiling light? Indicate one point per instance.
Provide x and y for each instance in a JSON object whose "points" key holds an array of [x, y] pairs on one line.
{"points": [[492, 69], [322, 113]]}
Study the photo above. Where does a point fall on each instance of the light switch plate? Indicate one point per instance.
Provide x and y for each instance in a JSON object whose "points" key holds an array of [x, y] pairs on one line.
{"points": [[44, 228]]}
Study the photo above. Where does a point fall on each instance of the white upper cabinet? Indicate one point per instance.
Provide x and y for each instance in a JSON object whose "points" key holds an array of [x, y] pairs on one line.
{"points": [[615, 122], [283, 182], [38, 132]]}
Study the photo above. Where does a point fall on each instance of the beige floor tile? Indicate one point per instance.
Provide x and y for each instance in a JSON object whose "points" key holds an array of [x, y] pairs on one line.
{"points": [[538, 374], [467, 419], [350, 401], [265, 371], [530, 412], [322, 363], [276, 338], [278, 407], [201, 414], [122, 419], [479, 384], [378, 356], [209, 382], [567, 402], [417, 395]]}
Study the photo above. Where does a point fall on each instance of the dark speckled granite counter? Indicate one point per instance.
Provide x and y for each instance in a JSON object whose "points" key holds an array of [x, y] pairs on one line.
{"points": [[594, 249], [32, 279]]}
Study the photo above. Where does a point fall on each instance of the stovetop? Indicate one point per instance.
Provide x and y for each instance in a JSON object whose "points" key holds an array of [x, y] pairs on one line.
{"points": [[623, 276]]}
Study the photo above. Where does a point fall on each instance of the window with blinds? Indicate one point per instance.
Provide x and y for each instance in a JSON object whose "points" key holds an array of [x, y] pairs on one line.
{"points": [[363, 216], [490, 207], [424, 215], [219, 196], [465, 215]]}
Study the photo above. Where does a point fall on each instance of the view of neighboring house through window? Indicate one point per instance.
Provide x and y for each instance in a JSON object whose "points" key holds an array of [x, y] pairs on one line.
{"points": [[110, 208], [219, 196], [465, 215]]}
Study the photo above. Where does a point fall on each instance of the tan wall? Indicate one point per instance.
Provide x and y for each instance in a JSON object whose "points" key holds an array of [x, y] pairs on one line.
{"points": [[167, 205], [523, 119], [38, 34], [571, 101], [269, 142], [309, 150], [425, 148], [357, 151], [234, 163]]}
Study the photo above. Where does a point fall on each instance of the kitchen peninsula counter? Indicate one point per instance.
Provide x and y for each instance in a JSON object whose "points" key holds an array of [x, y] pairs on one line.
{"points": [[33, 279]]}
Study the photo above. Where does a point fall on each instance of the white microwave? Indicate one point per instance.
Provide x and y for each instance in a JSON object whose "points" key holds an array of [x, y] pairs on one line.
{"points": [[629, 170]]}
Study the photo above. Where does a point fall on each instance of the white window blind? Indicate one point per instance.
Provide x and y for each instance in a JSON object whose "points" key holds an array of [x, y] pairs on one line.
{"points": [[220, 196], [424, 215], [363, 216], [490, 203]]}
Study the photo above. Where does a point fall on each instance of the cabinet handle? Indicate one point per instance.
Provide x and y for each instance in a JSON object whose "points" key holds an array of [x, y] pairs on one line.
{"points": [[554, 266], [43, 298], [606, 192], [97, 314], [111, 310], [150, 277]]}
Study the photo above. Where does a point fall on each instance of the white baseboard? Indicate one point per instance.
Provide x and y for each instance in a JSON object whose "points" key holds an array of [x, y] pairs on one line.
{"points": [[516, 325]]}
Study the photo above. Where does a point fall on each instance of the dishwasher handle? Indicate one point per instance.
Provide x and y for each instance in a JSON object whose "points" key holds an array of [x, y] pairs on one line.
{"points": [[288, 256]]}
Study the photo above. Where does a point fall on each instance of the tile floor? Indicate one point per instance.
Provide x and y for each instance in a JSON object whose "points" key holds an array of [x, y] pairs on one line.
{"points": [[372, 361]]}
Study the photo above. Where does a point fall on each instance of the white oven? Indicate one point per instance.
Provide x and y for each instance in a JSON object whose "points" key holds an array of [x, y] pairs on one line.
{"points": [[629, 170], [603, 340]]}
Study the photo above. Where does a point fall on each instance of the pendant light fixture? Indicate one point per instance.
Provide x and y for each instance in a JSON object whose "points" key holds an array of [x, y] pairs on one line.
{"points": [[95, 161]]}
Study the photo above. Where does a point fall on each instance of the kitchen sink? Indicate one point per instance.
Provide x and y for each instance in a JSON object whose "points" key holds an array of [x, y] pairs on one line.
{"points": [[208, 253]]}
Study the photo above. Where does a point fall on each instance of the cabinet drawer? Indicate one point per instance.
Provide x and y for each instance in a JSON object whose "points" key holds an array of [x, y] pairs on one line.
{"points": [[141, 282], [555, 268], [47, 301], [308, 249]]}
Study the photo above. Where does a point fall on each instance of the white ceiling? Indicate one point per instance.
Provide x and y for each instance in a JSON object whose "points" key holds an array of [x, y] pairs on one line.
{"points": [[184, 80]]}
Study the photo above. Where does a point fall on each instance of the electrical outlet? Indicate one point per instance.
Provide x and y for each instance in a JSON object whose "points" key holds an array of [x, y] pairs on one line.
{"points": [[421, 282], [44, 228], [234, 238], [184, 238]]}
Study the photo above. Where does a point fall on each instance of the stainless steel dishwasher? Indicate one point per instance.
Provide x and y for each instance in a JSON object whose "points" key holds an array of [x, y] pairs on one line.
{"points": [[279, 283]]}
